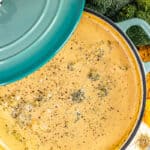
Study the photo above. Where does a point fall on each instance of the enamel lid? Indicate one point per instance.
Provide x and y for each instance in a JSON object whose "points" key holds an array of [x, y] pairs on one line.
{"points": [[32, 32]]}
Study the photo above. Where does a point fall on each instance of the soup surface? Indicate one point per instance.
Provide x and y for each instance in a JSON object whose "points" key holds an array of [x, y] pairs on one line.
{"points": [[86, 98]]}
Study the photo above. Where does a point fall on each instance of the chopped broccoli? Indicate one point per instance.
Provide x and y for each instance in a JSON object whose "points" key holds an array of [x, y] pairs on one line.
{"points": [[107, 7], [78, 96], [131, 11], [143, 4], [99, 5], [143, 15], [127, 12], [93, 75], [138, 36], [116, 6]]}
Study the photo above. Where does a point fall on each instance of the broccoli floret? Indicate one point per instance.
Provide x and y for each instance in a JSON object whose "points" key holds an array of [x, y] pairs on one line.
{"points": [[107, 7], [116, 5], [99, 5], [143, 4], [143, 15], [127, 12], [138, 36], [131, 11]]}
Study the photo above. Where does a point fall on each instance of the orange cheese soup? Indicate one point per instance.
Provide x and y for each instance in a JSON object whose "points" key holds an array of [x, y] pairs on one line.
{"points": [[86, 98]]}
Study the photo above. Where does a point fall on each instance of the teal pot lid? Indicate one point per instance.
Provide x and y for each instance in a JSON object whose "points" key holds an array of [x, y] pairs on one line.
{"points": [[32, 32]]}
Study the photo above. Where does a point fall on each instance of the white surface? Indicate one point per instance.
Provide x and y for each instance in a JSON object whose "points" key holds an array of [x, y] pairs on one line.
{"points": [[144, 129]]}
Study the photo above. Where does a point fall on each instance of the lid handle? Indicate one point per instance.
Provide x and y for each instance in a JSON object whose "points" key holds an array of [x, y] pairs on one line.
{"points": [[139, 22]]}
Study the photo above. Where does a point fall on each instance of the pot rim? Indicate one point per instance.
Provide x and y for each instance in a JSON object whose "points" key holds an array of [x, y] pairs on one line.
{"points": [[142, 72]]}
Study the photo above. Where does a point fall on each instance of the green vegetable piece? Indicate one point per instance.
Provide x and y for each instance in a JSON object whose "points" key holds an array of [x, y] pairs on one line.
{"points": [[143, 15], [107, 7], [78, 96], [143, 4], [127, 12], [138, 36]]}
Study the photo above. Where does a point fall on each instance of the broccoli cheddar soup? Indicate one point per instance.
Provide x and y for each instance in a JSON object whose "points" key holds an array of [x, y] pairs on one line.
{"points": [[86, 98]]}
